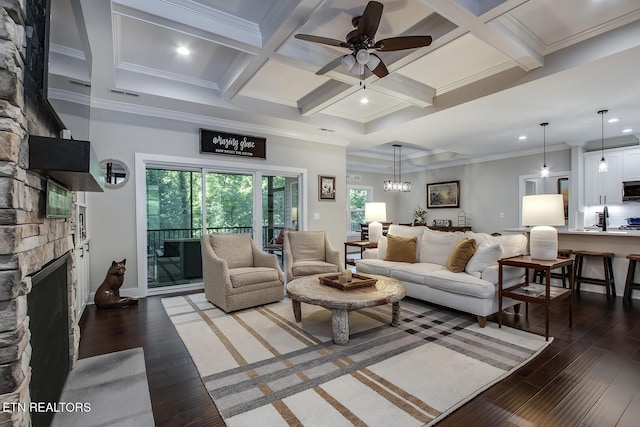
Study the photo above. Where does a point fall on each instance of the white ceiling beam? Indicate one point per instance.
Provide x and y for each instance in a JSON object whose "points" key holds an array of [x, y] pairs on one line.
{"points": [[324, 96], [406, 89], [497, 36], [198, 16]]}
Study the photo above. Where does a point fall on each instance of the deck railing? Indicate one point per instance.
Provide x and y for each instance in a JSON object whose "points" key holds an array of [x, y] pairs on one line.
{"points": [[156, 238]]}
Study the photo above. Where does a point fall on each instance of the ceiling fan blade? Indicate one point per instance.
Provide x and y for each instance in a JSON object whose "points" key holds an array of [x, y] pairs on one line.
{"points": [[404, 42], [321, 40], [370, 20], [381, 69], [330, 66]]}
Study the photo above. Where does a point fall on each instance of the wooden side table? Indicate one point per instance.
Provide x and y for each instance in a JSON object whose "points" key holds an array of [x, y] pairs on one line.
{"points": [[362, 244], [536, 293]]}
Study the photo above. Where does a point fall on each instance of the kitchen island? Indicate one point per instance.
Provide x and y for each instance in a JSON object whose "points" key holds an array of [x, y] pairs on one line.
{"points": [[620, 242]]}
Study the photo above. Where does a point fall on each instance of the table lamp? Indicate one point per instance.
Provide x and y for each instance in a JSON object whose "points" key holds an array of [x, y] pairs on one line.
{"points": [[374, 213], [543, 211]]}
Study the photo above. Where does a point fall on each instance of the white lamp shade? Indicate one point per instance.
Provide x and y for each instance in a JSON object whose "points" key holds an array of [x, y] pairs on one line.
{"points": [[349, 61], [543, 211], [362, 56], [375, 211], [374, 61]]}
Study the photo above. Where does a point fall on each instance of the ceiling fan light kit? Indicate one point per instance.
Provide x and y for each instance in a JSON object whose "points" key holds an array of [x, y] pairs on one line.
{"points": [[361, 40]]}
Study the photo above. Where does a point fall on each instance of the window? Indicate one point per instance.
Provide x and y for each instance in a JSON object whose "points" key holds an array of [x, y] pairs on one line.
{"points": [[357, 195]]}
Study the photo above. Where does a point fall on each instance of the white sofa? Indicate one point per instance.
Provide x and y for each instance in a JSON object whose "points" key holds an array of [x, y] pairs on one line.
{"points": [[473, 290]]}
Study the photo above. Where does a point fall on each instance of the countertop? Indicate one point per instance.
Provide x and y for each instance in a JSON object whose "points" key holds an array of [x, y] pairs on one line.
{"points": [[587, 232]]}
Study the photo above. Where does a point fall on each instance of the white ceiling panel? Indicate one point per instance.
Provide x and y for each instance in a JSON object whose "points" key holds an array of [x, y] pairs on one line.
{"points": [[351, 108], [156, 49], [554, 21], [281, 83], [463, 61]]}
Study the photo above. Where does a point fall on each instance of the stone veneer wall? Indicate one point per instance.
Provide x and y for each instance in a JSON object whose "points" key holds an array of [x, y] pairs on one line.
{"points": [[27, 240]]}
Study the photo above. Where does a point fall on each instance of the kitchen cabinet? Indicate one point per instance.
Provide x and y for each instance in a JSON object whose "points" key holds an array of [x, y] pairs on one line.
{"points": [[631, 165], [602, 188]]}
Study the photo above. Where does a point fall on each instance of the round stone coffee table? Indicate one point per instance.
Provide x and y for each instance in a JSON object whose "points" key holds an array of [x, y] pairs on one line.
{"points": [[309, 290]]}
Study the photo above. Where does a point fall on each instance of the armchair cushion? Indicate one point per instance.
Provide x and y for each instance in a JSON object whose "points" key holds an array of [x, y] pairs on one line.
{"points": [[308, 268], [245, 276], [234, 248], [309, 245]]}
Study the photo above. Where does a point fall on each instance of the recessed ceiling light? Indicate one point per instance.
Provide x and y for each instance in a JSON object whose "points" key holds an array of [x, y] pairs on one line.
{"points": [[522, 137], [613, 120], [183, 50], [627, 130]]}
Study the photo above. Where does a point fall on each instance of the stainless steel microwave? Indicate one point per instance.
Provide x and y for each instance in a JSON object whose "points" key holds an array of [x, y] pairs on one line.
{"points": [[631, 191]]}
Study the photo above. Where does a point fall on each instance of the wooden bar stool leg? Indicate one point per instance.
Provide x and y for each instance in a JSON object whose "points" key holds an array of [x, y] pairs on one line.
{"points": [[613, 283], [578, 271], [607, 281], [629, 282]]}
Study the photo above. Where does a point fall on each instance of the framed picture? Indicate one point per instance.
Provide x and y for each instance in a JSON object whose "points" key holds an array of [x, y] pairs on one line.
{"points": [[563, 188], [443, 195], [326, 187]]}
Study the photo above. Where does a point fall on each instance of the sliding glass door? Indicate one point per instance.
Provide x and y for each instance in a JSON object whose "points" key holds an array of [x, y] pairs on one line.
{"points": [[174, 226], [182, 203], [229, 201]]}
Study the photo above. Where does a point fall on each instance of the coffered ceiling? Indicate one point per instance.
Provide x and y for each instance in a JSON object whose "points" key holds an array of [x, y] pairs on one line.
{"points": [[494, 71]]}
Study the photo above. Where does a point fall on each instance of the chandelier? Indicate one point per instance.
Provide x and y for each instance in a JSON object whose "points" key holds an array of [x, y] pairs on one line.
{"points": [[397, 184]]}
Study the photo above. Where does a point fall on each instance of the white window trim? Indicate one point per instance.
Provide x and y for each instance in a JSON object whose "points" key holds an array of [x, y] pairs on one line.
{"points": [[369, 189], [143, 160]]}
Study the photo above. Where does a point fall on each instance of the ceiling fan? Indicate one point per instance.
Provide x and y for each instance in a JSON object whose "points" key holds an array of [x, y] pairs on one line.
{"points": [[361, 41]]}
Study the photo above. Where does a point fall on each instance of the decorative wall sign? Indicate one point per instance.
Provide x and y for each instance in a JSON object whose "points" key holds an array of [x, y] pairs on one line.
{"points": [[443, 195], [229, 144], [326, 187]]}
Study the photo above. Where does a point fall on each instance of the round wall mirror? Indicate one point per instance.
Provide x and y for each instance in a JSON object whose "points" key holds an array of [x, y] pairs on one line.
{"points": [[116, 173]]}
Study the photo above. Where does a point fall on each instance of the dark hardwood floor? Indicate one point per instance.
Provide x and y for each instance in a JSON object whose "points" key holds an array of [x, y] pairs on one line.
{"points": [[588, 376]]}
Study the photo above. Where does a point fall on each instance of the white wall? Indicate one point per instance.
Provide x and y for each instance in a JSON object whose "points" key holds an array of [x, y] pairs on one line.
{"points": [[487, 189], [111, 215]]}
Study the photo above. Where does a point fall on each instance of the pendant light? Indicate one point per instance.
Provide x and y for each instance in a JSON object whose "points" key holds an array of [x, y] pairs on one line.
{"points": [[397, 185], [602, 167], [544, 172]]}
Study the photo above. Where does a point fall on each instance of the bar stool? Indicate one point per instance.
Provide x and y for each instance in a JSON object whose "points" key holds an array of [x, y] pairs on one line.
{"points": [[630, 284], [563, 275], [608, 282]]}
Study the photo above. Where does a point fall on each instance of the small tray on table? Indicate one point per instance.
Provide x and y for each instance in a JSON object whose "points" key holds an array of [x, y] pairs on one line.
{"points": [[357, 281]]}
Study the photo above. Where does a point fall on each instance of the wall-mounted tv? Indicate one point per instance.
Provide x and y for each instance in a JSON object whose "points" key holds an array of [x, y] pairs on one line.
{"points": [[58, 202]]}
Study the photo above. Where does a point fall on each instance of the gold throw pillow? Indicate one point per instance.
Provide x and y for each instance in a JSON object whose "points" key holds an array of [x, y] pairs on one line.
{"points": [[461, 254], [401, 249]]}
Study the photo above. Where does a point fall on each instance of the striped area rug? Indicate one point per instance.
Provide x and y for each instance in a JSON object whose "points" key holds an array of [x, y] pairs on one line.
{"points": [[262, 368]]}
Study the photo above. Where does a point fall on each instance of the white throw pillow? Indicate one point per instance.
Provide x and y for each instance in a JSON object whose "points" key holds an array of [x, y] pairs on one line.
{"points": [[484, 257], [435, 246], [483, 239], [382, 247], [512, 244]]}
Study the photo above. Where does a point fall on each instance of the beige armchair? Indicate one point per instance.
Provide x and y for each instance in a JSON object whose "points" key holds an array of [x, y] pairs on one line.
{"points": [[309, 252], [237, 274]]}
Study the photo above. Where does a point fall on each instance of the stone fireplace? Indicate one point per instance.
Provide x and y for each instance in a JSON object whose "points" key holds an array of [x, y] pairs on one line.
{"points": [[28, 241]]}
